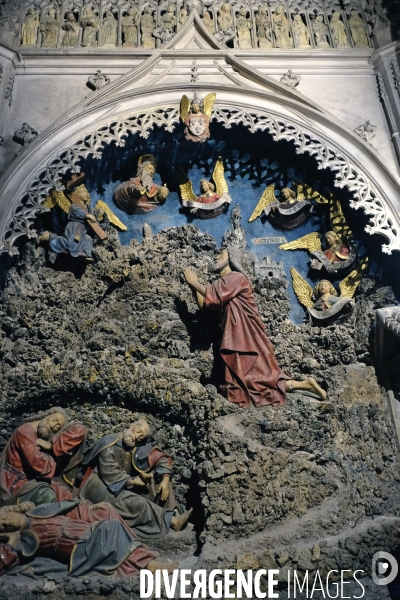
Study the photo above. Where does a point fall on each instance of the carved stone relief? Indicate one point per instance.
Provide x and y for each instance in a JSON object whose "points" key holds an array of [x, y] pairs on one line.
{"points": [[49, 26], [30, 28], [8, 94], [99, 80], [396, 75], [290, 79], [26, 134], [366, 131], [245, 25], [326, 154], [72, 30], [287, 25]]}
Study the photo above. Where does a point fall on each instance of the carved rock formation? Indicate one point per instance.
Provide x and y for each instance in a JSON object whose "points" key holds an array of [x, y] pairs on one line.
{"points": [[125, 336]]}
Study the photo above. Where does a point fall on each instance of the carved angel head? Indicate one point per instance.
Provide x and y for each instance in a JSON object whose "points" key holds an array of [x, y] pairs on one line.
{"points": [[288, 193], [332, 238], [206, 186], [322, 288], [83, 193]]}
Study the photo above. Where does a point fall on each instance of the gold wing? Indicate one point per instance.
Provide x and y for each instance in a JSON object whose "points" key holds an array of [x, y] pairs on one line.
{"points": [[185, 107], [267, 198], [103, 208], [305, 192], [311, 194], [208, 104], [187, 192], [302, 289], [310, 242], [350, 283], [218, 178], [337, 220], [56, 198]]}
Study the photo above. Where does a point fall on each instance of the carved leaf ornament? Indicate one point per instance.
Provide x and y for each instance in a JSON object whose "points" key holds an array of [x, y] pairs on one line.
{"points": [[327, 156]]}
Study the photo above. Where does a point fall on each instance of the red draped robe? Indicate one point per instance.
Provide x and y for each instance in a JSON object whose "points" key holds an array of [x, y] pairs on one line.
{"points": [[252, 373], [23, 460], [58, 536]]}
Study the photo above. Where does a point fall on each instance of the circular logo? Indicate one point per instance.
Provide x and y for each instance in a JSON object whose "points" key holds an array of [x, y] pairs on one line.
{"points": [[381, 561]]}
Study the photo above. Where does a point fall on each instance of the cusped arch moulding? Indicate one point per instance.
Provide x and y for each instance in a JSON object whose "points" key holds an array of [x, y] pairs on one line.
{"points": [[348, 174]]}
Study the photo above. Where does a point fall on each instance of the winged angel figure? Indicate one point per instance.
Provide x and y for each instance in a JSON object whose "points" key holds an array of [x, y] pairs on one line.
{"points": [[196, 115], [340, 252], [59, 199], [323, 303], [214, 197], [288, 214]]}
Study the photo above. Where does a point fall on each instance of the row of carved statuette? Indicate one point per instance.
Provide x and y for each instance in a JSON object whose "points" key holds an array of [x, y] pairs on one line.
{"points": [[265, 28], [150, 26], [90, 27]]}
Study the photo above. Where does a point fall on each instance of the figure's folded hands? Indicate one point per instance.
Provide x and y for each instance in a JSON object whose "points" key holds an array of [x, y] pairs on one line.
{"points": [[190, 275]]}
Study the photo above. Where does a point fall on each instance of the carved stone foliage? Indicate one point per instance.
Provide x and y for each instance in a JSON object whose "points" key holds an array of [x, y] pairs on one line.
{"points": [[366, 131], [248, 24], [26, 134], [8, 93], [99, 80], [10, 11], [290, 79], [396, 75], [289, 24], [347, 174]]}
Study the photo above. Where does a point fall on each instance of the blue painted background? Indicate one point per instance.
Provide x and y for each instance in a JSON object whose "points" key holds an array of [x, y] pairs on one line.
{"points": [[252, 161]]}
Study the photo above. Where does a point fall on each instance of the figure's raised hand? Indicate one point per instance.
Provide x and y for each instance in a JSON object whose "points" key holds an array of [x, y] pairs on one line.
{"points": [[190, 276]]}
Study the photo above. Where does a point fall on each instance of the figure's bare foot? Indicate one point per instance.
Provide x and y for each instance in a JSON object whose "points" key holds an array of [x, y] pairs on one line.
{"points": [[85, 258], [159, 565], [314, 387], [178, 522]]}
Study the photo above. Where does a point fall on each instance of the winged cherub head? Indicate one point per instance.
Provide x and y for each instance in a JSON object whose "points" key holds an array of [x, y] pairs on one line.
{"points": [[196, 106]]}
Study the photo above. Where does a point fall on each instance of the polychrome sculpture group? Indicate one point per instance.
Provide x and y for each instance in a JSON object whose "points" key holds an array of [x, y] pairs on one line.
{"points": [[58, 506]]}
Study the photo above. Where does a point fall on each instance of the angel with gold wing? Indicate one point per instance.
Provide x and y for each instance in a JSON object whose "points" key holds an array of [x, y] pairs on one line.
{"points": [[72, 218], [196, 115], [340, 251], [288, 214], [214, 197], [323, 303]]}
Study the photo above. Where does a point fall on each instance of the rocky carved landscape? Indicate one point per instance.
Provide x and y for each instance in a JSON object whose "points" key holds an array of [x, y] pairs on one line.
{"points": [[311, 485]]}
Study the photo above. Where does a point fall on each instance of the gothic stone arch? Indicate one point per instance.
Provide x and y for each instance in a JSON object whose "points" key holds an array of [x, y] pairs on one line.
{"points": [[354, 163]]}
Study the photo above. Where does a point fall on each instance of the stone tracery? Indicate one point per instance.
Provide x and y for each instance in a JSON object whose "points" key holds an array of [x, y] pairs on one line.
{"points": [[347, 174]]}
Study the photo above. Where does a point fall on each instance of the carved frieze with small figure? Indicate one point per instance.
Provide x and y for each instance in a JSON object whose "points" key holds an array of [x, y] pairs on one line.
{"points": [[243, 26]]}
